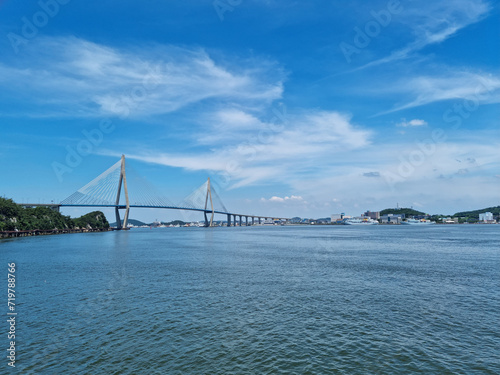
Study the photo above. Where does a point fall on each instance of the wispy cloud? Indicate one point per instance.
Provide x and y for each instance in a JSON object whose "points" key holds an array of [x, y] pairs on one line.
{"points": [[478, 87], [307, 142], [75, 77], [434, 23]]}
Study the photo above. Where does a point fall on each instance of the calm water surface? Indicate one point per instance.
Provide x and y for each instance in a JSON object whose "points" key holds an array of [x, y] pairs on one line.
{"points": [[261, 300]]}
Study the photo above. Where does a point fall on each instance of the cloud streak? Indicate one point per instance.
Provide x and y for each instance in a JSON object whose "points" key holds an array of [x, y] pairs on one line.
{"points": [[75, 77], [265, 153], [434, 23], [478, 87]]}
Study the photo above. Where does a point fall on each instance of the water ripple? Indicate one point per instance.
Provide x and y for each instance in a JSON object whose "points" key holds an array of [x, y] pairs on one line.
{"points": [[261, 301]]}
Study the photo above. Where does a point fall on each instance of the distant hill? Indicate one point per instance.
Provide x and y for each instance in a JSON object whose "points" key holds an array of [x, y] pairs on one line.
{"points": [[406, 211], [131, 221], [475, 214], [15, 217]]}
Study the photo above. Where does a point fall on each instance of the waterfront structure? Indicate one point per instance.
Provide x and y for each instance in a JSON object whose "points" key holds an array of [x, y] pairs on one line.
{"points": [[336, 218], [486, 217], [372, 215], [392, 218]]}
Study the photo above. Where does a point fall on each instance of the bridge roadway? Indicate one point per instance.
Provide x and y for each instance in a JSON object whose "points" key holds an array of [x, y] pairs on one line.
{"points": [[56, 207]]}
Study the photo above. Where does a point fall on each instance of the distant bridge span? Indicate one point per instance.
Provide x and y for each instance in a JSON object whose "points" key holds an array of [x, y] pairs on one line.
{"points": [[105, 192]]}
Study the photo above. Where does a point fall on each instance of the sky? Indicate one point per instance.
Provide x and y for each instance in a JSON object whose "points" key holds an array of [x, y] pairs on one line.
{"points": [[292, 108]]}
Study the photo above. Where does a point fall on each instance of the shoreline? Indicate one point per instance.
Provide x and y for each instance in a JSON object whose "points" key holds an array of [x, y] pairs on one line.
{"points": [[49, 232]]}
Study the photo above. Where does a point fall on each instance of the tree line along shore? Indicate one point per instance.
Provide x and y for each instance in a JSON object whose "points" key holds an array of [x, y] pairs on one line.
{"points": [[17, 221]]}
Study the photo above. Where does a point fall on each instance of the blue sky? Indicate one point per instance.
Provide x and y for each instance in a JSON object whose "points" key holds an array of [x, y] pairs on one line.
{"points": [[294, 108]]}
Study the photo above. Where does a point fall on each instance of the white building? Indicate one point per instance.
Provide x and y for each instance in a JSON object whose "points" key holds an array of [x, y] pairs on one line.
{"points": [[392, 218], [337, 217], [486, 217]]}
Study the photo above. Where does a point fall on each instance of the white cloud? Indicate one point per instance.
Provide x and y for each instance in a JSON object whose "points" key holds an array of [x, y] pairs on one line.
{"points": [[228, 125], [448, 176], [293, 198], [265, 151], [76, 77], [357, 179], [474, 87], [434, 23], [412, 164], [414, 122]]}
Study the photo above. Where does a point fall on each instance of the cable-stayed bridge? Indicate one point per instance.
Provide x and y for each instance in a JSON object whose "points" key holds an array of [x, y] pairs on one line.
{"points": [[111, 189]]}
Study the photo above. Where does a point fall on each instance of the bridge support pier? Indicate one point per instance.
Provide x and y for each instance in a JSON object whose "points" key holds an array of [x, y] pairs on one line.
{"points": [[253, 220], [209, 195], [123, 180], [118, 219], [228, 220], [246, 221], [241, 220]]}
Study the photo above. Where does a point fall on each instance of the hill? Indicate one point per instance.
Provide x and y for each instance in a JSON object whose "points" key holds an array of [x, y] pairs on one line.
{"points": [[406, 211], [14, 217], [475, 214]]}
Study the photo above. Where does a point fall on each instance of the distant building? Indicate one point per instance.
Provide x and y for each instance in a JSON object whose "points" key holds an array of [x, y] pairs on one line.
{"points": [[337, 217], [372, 215], [486, 217], [392, 218]]}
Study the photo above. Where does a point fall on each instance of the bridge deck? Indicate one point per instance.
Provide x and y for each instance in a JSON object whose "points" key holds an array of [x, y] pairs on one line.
{"points": [[175, 208]]}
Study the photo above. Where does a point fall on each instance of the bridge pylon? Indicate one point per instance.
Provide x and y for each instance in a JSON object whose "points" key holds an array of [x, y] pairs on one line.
{"points": [[209, 196], [123, 181]]}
